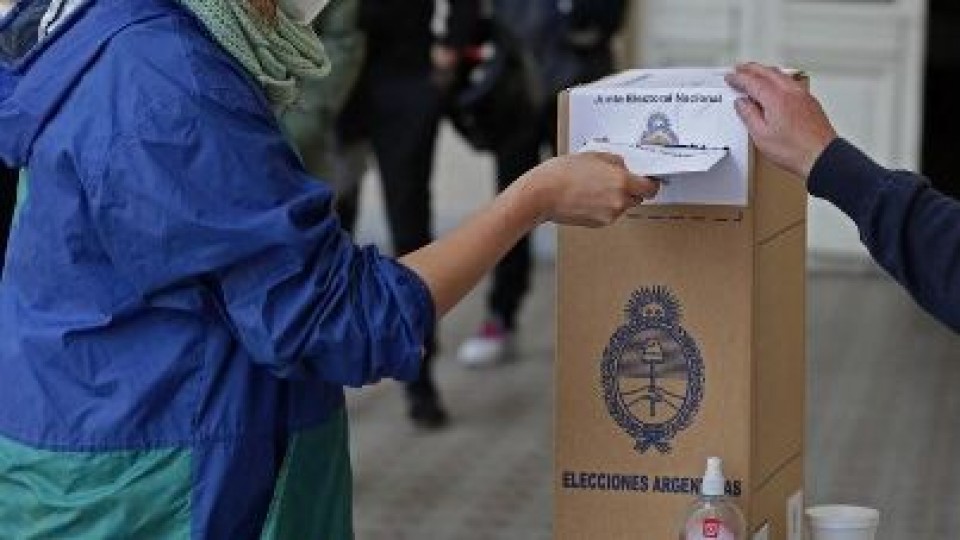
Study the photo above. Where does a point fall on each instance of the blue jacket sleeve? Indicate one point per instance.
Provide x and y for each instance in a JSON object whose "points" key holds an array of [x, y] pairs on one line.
{"points": [[911, 229], [202, 196]]}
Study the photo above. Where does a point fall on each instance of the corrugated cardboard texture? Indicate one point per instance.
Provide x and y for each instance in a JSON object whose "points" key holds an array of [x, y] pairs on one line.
{"points": [[738, 275], [779, 347], [770, 501], [781, 203]]}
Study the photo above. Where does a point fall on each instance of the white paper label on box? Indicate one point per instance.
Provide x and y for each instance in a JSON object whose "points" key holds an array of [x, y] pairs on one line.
{"points": [[661, 107], [660, 161]]}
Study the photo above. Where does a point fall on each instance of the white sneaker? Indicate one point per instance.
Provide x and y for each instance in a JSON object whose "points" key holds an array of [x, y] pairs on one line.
{"points": [[492, 344]]}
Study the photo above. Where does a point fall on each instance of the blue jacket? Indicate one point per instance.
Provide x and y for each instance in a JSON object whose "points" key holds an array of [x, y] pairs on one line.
{"points": [[911, 229], [180, 308]]}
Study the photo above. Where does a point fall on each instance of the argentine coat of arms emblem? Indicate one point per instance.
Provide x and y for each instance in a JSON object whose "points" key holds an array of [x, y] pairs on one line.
{"points": [[652, 371]]}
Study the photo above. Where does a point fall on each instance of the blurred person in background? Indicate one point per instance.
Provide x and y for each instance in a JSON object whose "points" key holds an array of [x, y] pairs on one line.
{"points": [[8, 200], [910, 228], [394, 113], [563, 43], [312, 120], [8, 177], [181, 309], [941, 112]]}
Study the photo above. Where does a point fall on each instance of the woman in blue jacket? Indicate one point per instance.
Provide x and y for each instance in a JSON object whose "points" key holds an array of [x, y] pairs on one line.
{"points": [[180, 308]]}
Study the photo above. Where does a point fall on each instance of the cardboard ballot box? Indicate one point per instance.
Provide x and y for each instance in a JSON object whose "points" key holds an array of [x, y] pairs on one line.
{"points": [[680, 328]]}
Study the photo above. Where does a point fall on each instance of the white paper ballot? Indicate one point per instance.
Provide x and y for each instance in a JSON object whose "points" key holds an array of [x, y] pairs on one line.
{"points": [[660, 161], [650, 110]]}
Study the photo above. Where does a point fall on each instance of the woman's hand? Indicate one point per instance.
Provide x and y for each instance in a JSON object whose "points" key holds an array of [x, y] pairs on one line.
{"points": [[590, 189]]}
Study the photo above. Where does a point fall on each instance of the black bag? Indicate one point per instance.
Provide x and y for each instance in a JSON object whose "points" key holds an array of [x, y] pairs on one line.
{"points": [[603, 16], [494, 92]]}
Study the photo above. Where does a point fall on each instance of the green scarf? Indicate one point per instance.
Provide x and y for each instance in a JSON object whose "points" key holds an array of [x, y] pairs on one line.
{"points": [[280, 56]]}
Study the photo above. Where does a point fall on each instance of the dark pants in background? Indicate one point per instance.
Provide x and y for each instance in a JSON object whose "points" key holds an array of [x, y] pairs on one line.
{"points": [[514, 156], [397, 112], [8, 200]]}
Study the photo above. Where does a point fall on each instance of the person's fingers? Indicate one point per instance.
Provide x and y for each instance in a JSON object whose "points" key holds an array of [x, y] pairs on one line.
{"points": [[780, 77], [784, 79], [768, 73], [735, 80], [751, 114], [749, 81], [612, 159], [776, 76], [641, 187], [751, 85]]}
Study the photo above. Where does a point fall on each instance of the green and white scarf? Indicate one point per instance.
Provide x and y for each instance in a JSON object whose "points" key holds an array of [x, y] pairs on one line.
{"points": [[280, 56]]}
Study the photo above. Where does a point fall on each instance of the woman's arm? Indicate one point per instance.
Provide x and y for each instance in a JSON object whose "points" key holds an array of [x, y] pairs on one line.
{"points": [[200, 196], [590, 190]]}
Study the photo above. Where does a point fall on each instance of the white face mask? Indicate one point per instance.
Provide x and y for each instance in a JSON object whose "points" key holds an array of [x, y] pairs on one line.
{"points": [[303, 11]]}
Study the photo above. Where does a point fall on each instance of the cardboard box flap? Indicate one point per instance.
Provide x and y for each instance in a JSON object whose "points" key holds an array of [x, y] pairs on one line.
{"points": [[661, 161]]}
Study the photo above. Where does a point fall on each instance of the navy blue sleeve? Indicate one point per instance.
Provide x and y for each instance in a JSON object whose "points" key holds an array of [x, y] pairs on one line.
{"points": [[911, 229], [199, 195]]}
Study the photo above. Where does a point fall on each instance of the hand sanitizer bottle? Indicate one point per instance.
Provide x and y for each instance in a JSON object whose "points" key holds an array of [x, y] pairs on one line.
{"points": [[713, 515]]}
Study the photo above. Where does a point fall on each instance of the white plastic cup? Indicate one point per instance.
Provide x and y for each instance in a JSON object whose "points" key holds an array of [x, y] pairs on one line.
{"points": [[841, 522]]}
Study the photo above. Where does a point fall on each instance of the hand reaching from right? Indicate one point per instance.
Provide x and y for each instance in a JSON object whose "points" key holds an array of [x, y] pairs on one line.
{"points": [[786, 122]]}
